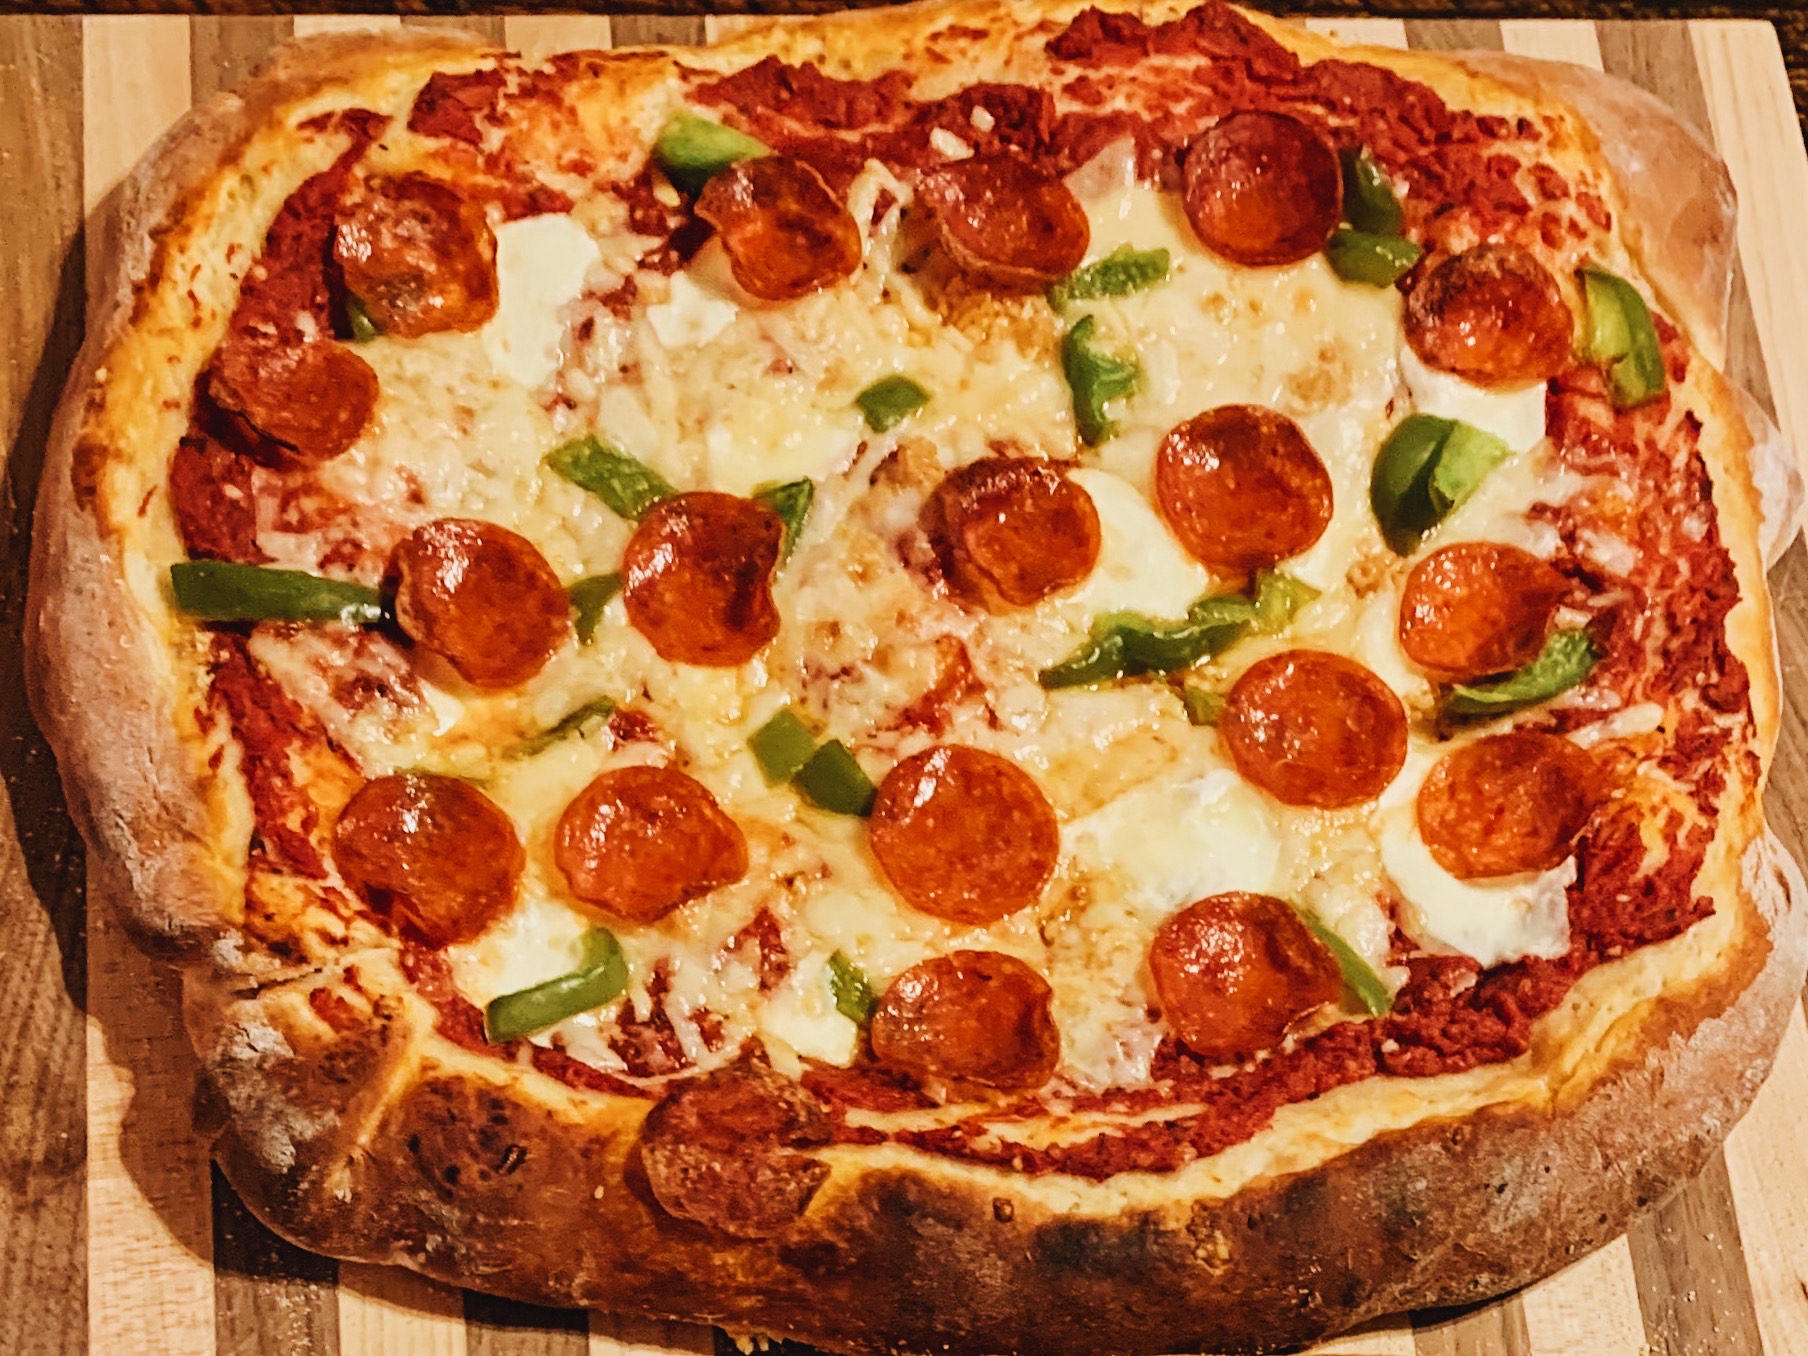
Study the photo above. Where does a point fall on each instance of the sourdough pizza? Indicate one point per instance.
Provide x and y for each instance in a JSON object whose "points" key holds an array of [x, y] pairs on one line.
{"points": [[999, 676]]}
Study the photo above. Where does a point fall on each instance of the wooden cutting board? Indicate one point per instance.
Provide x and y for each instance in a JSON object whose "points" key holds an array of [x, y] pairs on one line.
{"points": [[115, 1238]]}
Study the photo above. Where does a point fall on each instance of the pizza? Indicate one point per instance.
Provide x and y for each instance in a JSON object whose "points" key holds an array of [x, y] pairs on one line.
{"points": [[996, 676]]}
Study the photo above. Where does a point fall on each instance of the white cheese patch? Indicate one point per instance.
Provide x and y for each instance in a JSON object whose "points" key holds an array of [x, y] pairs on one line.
{"points": [[1514, 415], [690, 315], [1141, 567], [801, 1013], [541, 264]]}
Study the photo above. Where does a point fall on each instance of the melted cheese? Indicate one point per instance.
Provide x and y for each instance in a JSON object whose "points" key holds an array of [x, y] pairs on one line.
{"points": [[541, 264], [1516, 416], [1141, 568]]}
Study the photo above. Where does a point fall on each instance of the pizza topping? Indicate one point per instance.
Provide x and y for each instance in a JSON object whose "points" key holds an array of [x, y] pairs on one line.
{"points": [[785, 233], [1096, 379], [418, 256], [889, 401], [1493, 315], [592, 715], [588, 597], [1426, 468], [1241, 488], [302, 401], [1011, 531], [1567, 658], [1370, 259], [781, 746], [602, 973], [1203, 707], [854, 998], [1478, 608], [627, 486], [964, 835], [639, 841], [832, 780], [722, 1149], [970, 1017], [1369, 201], [482, 598], [693, 150], [1507, 803], [1005, 222], [698, 578], [1313, 728], [1622, 338], [358, 322], [1119, 274], [1234, 971], [1262, 188], [434, 855], [1359, 977], [791, 501], [219, 590]]}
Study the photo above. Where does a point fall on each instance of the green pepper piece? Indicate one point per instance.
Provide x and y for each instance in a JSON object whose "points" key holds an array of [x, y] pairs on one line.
{"points": [[589, 596], [600, 976], [222, 590], [1567, 658], [1095, 379], [1125, 644], [590, 713], [834, 781], [889, 401], [357, 320], [627, 486], [1203, 706], [1399, 485], [1358, 976], [1118, 274], [693, 150], [1369, 202], [1622, 336], [853, 995], [1370, 259], [791, 501], [1099, 660], [1465, 460], [1279, 597], [781, 746]]}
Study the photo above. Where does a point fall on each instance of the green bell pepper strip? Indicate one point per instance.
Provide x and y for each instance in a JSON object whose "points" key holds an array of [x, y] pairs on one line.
{"points": [[854, 998], [833, 781], [591, 712], [600, 976], [791, 501], [627, 486], [1465, 460], [1370, 259], [1203, 706], [889, 401], [357, 320], [222, 590], [693, 150], [1428, 466], [1369, 201], [1622, 336], [589, 596], [1279, 597], [1118, 274], [782, 746], [1125, 644], [1095, 379], [1358, 976], [1567, 658]]}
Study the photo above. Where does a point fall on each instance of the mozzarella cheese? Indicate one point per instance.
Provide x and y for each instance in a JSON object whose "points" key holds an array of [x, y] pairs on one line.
{"points": [[541, 264], [1515, 416], [1141, 568]]}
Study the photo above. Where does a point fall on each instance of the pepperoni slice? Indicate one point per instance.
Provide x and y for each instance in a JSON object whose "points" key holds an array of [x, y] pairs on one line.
{"points": [[1241, 488], [640, 841], [482, 598], [1313, 728], [303, 400], [1508, 803], [1234, 971], [1262, 188], [697, 578], [1005, 222], [1477, 608], [722, 1149], [1010, 531], [418, 255], [434, 855], [973, 1016], [964, 834], [786, 234], [1493, 315]]}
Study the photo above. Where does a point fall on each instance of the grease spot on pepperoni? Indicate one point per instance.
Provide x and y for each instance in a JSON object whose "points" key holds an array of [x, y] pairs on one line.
{"points": [[1493, 315], [972, 1017], [640, 841], [786, 233], [697, 578], [1234, 971], [1262, 188], [418, 255], [1011, 531], [722, 1150], [964, 834], [1241, 488], [434, 855], [1005, 222], [295, 400], [1313, 728], [481, 597], [1508, 803], [1476, 608]]}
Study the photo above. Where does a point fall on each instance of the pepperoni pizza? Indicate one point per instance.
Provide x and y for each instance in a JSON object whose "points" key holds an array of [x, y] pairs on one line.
{"points": [[1003, 676]]}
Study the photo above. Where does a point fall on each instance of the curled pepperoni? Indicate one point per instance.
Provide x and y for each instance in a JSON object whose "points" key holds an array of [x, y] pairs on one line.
{"points": [[639, 841], [973, 1016], [1005, 222], [1241, 488], [481, 597], [1508, 803], [1477, 608], [418, 255], [1312, 728], [786, 234], [722, 1149], [697, 578], [1010, 531], [434, 855], [964, 834], [1234, 971], [1262, 188], [298, 400], [1493, 315]]}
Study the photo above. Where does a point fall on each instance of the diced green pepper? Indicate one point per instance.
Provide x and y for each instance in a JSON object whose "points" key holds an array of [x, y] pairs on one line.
{"points": [[589, 596], [1427, 467], [1621, 335], [627, 486], [693, 150], [853, 995], [1567, 658], [601, 975], [791, 501], [1118, 274], [781, 746], [1369, 203], [357, 320], [221, 590], [591, 713], [889, 401], [1203, 706], [1465, 460], [833, 781], [1279, 597], [1370, 259], [1095, 379], [1358, 976]]}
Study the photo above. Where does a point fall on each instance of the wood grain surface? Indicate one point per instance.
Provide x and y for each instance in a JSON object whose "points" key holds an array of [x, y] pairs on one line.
{"points": [[117, 1238]]}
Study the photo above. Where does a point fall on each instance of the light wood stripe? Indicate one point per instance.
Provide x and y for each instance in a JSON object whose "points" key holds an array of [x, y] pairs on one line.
{"points": [[612, 1335], [541, 37], [222, 52], [499, 1327], [488, 27], [307, 25], [1368, 32], [1571, 40], [386, 1311], [1453, 35]]}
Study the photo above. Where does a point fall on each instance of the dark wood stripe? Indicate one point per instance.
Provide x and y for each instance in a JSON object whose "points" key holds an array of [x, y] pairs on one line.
{"points": [[489, 28], [1497, 1329], [634, 30], [270, 1297], [222, 52], [1453, 35], [499, 1327]]}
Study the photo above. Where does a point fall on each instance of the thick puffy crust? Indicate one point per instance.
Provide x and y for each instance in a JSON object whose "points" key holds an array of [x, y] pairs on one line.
{"points": [[356, 1128]]}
